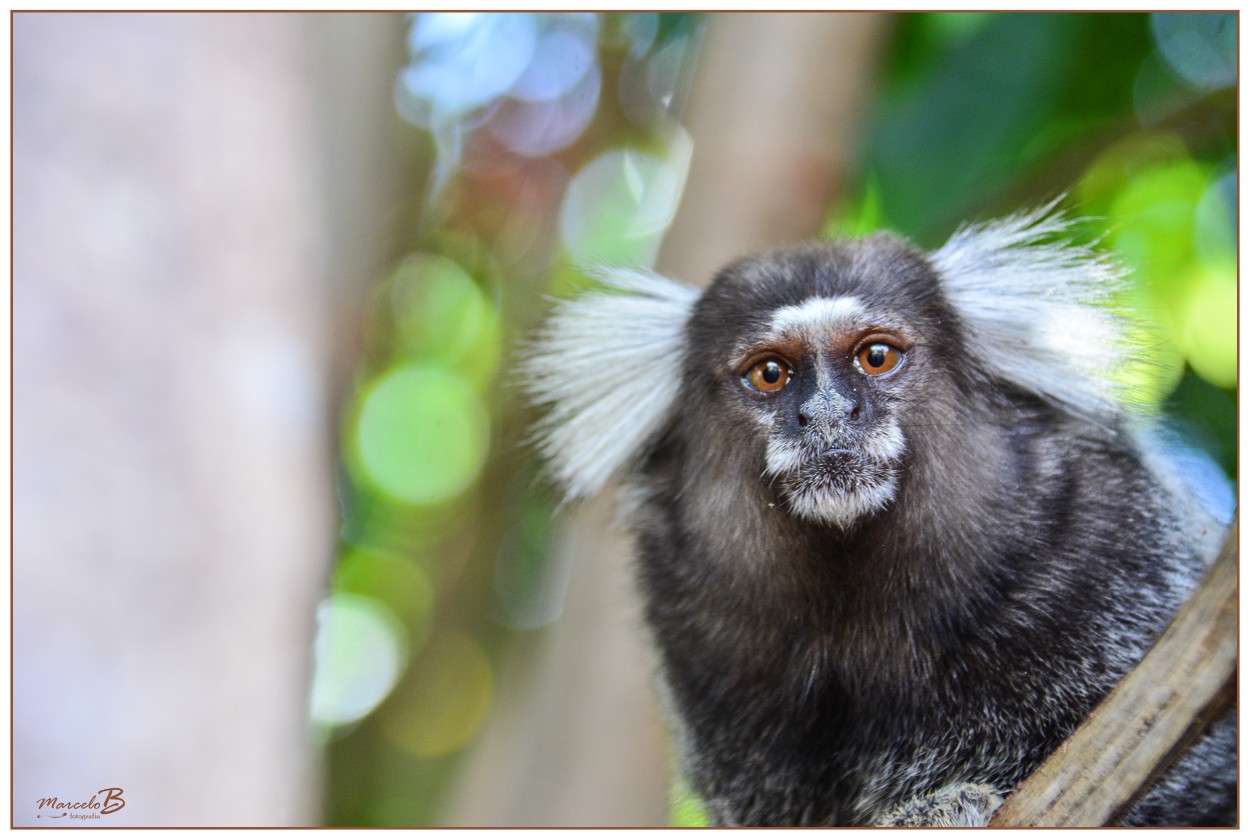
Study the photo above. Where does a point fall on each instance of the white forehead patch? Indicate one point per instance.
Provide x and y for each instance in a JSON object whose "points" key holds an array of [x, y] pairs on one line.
{"points": [[815, 318]]}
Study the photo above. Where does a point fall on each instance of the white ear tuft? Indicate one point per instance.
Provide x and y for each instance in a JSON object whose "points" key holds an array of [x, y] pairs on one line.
{"points": [[608, 365], [1037, 309]]}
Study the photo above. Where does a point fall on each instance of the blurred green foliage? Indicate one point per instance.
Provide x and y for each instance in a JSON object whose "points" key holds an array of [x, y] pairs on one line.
{"points": [[548, 138], [1131, 117], [444, 547]]}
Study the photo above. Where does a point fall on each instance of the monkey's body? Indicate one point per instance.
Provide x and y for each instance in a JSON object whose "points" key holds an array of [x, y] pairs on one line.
{"points": [[830, 678], [887, 574]]}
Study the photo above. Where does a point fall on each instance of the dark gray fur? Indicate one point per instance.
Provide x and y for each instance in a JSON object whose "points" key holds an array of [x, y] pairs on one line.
{"points": [[914, 667]]}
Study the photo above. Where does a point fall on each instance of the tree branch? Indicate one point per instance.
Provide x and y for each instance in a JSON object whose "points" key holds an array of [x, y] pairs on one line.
{"points": [[1187, 680]]}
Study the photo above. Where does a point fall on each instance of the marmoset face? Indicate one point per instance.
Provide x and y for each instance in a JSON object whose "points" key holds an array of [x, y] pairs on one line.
{"points": [[831, 347]]}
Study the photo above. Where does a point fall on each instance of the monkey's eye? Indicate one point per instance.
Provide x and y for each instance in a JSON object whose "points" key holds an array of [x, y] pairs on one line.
{"points": [[769, 376], [877, 359]]}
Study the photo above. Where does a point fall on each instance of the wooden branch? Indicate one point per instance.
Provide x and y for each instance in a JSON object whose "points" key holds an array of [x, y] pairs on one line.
{"points": [[1187, 680]]}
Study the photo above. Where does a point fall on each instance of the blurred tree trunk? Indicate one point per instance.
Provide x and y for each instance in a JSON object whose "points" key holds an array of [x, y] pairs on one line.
{"points": [[772, 113], [174, 283]]}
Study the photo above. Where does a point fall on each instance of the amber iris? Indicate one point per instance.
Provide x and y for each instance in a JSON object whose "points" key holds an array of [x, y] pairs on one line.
{"points": [[769, 376], [877, 359]]}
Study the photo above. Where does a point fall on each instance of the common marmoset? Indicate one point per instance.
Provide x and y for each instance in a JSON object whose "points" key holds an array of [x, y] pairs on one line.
{"points": [[898, 530]]}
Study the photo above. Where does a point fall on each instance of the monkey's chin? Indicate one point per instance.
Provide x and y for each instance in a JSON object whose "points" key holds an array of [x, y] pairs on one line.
{"points": [[840, 492]]}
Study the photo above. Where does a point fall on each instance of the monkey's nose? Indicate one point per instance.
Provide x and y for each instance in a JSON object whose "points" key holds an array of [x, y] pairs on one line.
{"points": [[828, 409]]}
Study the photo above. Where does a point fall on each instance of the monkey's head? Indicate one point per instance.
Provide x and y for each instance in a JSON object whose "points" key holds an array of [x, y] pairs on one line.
{"points": [[820, 370], [817, 361]]}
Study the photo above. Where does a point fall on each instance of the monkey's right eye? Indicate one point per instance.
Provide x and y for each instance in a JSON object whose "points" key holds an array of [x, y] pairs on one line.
{"points": [[769, 376]]}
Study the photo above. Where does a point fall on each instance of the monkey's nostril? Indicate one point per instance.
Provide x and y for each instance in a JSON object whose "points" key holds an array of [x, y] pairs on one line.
{"points": [[803, 418], [855, 413]]}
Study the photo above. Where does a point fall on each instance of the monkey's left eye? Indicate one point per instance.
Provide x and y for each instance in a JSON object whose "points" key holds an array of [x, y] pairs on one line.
{"points": [[877, 359], [769, 376]]}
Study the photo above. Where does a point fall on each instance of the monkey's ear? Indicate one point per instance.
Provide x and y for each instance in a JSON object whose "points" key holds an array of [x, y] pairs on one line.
{"points": [[608, 364], [1038, 309]]}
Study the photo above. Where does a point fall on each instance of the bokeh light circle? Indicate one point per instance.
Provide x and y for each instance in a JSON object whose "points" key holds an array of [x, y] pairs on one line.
{"points": [[439, 311], [358, 655], [562, 57], [422, 434], [1200, 47], [446, 700], [618, 205], [1210, 327], [398, 582], [543, 127], [1215, 220], [462, 61]]}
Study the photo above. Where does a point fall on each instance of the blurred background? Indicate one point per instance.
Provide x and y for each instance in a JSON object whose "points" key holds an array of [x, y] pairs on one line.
{"points": [[281, 555]]}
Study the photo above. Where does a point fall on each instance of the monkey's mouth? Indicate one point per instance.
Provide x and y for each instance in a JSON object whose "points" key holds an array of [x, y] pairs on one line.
{"points": [[838, 471], [831, 468], [838, 485], [834, 451]]}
